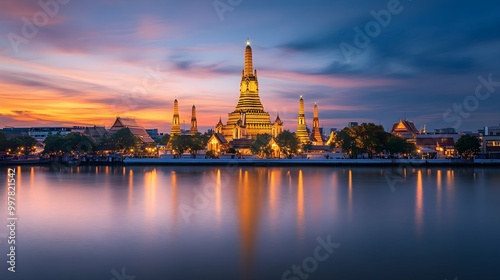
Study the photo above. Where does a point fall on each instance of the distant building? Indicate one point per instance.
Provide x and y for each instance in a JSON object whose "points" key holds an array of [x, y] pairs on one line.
{"points": [[40, 133], [95, 132], [194, 122], [217, 144], [405, 129], [153, 133], [439, 144], [490, 142], [302, 132], [447, 130], [443, 145], [351, 124], [176, 125], [316, 137], [133, 126], [242, 145], [16, 131]]}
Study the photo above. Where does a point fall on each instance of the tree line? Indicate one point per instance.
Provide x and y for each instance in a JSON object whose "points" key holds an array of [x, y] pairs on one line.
{"points": [[24, 145], [367, 138], [370, 139]]}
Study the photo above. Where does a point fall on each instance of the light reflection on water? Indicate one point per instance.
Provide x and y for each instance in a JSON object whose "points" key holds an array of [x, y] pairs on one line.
{"points": [[255, 223]]}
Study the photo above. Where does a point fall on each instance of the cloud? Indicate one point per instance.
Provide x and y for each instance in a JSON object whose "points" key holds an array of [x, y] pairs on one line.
{"points": [[87, 65]]}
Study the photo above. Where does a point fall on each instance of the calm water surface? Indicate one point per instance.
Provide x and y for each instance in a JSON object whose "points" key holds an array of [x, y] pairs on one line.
{"points": [[254, 223]]}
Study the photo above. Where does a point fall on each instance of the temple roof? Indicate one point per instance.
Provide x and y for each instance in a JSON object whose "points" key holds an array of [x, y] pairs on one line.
{"points": [[220, 138], [133, 126], [95, 132], [278, 120], [125, 122], [220, 122], [404, 126]]}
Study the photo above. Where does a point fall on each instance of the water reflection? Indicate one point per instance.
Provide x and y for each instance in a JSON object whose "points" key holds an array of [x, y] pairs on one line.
{"points": [[150, 185], [419, 204], [253, 217], [274, 182], [250, 205], [173, 197], [439, 193], [300, 204], [218, 197], [130, 186], [349, 196]]}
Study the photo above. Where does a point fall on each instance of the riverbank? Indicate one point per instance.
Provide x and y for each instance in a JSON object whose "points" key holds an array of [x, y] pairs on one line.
{"points": [[271, 162], [312, 162]]}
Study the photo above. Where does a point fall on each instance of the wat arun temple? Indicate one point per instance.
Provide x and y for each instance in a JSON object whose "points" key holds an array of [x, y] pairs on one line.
{"points": [[249, 118]]}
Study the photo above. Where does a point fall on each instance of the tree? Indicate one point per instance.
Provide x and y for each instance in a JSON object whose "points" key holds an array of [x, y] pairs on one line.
{"points": [[260, 146], [346, 140], [198, 142], [288, 143], [3, 141], [72, 142], [191, 143], [467, 146], [180, 143], [398, 145], [333, 140], [366, 138], [372, 138], [163, 140], [75, 142], [53, 144], [22, 144], [124, 140]]}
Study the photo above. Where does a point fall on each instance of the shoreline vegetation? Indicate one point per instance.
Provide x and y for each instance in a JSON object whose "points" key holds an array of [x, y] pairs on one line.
{"points": [[271, 162]]}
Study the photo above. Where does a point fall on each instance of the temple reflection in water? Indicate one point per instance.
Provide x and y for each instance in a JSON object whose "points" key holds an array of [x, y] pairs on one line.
{"points": [[248, 221]]}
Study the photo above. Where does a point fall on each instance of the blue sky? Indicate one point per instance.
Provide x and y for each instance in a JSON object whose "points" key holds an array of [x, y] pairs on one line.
{"points": [[93, 60]]}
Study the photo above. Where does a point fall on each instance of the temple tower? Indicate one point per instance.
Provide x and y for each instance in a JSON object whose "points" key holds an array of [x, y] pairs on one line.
{"points": [[277, 126], [249, 118], [194, 122], [317, 139], [301, 123], [176, 126]]}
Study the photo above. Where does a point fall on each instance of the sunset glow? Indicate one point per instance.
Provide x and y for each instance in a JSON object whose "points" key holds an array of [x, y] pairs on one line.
{"points": [[93, 61]]}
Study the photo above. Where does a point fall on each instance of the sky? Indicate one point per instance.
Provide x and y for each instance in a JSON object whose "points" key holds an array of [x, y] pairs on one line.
{"points": [[67, 62]]}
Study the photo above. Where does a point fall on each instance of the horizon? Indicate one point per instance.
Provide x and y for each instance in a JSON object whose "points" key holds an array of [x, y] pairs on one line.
{"points": [[84, 65]]}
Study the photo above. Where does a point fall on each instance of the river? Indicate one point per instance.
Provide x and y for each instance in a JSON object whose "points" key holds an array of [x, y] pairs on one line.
{"points": [[151, 222]]}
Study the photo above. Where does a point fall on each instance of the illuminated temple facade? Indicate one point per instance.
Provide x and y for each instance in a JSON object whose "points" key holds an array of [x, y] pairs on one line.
{"points": [[249, 117]]}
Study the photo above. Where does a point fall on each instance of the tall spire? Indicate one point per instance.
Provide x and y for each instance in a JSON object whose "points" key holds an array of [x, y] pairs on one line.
{"points": [[249, 86], [301, 107], [248, 70], [176, 126], [316, 134], [301, 123], [194, 122]]}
